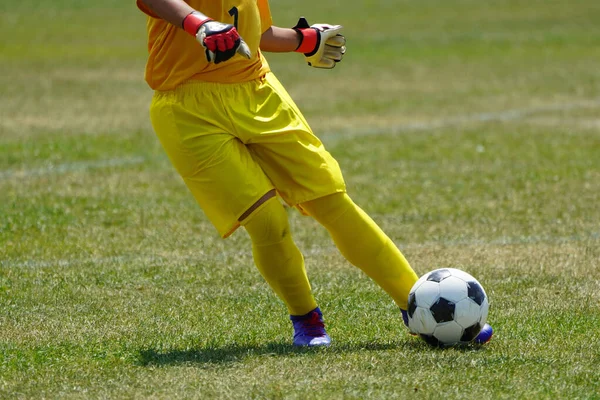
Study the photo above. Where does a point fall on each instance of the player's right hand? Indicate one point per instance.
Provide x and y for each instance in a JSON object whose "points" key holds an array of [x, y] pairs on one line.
{"points": [[220, 41]]}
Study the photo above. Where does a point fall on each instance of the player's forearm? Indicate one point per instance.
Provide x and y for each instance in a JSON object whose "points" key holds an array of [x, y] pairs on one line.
{"points": [[280, 40], [173, 11]]}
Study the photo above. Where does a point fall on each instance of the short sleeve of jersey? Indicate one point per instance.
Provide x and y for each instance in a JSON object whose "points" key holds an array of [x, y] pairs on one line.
{"points": [[265, 14], [145, 9]]}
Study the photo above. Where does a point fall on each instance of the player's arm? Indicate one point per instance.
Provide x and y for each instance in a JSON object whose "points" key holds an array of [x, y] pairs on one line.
{"points": [[220, 41], [173, 11], [280, 40], [322, 45]]}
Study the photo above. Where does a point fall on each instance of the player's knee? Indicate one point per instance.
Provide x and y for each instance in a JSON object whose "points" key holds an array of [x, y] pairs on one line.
{"points": [[269, 224], [329, 208]]}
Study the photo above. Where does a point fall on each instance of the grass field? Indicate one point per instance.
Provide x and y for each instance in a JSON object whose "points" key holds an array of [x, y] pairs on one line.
{"points": [[469, 130]]}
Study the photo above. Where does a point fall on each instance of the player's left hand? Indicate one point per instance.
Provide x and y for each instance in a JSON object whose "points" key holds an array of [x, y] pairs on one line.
{"points": [[322, 44]]}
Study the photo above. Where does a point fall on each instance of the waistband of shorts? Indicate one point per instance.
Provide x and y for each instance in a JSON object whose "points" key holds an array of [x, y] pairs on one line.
{"points": [[193, 85]]}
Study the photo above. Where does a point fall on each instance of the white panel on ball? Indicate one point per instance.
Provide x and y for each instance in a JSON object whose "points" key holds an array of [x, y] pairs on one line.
{"points": [[485, 309], [448, 332], [453, 289], [466, 313], [462, 274], [422, 321], [427, 293]]}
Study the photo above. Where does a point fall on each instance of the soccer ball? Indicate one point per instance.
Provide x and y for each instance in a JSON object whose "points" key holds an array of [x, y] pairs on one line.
{"points": [[447, 306]]}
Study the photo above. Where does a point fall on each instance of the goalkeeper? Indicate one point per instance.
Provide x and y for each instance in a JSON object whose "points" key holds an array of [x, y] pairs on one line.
{"points": [[238, 140]]}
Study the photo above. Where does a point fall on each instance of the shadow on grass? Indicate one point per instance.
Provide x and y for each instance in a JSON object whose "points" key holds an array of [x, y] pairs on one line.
{"points": [[236, 353], [222, 355]]}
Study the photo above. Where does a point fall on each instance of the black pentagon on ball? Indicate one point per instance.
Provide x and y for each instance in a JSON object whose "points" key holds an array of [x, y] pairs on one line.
{"points": [[442, 310], [412, 304], [476, 292], [471, 333], [439, 275]]}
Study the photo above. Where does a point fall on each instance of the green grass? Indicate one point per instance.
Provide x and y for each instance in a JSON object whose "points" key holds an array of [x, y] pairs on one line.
{"points": [[469, 130]]}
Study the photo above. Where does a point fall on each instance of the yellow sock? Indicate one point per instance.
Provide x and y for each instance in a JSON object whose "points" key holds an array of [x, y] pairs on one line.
{"points": [[362, 242], [278, 258]]}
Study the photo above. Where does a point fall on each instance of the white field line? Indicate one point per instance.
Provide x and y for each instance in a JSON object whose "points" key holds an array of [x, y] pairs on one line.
{"points": [[315, 251], [501, 116], [507, 115], [78, 166]]}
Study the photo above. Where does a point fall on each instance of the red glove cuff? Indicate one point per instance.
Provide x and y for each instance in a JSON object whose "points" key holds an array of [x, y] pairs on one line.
{"points": [[309, 41], [193, 21]]}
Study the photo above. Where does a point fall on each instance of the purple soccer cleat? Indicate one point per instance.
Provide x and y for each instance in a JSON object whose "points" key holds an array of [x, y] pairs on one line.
{"points": [[485, 335], [309, 329], [405, 320], [404, 317]]}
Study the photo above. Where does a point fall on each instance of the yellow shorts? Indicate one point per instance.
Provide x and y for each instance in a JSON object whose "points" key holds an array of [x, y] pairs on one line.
{"points": [[235, 144]]}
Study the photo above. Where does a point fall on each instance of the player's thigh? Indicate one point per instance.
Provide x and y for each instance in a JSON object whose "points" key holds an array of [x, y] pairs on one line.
{"points": [[218, 169], [294, 158]]}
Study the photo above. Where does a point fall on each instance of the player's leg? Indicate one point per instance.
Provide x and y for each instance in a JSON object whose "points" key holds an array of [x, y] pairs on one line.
{"points": [[278, 258], [233, 190], [308, 177], [302, 170], [362, 242], [366, 246], [281, 264]]}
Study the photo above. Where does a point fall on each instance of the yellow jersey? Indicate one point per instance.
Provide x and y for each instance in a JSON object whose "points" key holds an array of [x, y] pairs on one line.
{"points": [[176, 57]]}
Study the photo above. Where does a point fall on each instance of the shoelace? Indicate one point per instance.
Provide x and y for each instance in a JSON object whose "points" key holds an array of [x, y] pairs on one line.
{"points": [[312, 326]]}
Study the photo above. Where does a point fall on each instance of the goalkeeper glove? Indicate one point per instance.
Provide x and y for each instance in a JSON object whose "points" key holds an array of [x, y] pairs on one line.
{"points": [[220, 41], [321, 44]]}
